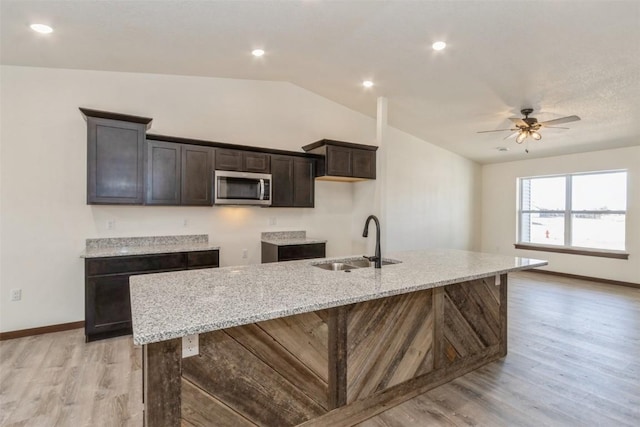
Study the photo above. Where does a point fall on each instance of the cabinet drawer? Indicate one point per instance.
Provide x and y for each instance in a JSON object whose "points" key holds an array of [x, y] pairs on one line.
{"points": [[138, 263], [293, 252], [203, 259]]}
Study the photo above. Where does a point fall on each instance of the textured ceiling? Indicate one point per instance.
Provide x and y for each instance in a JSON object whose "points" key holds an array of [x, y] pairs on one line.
{"points": [[558, 57]]}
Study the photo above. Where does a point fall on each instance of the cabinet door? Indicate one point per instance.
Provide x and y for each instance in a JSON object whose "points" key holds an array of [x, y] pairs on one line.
{"points": [[339, 161], [115, 161], [203, 259], [256, 162], [107, 307], [282, 181], [303, 182], [364, 163], [228, 160], [196, 175], [163, 173]]}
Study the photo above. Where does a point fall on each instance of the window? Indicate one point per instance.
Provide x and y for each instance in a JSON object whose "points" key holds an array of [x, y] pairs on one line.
{"points": [[585, 211]]}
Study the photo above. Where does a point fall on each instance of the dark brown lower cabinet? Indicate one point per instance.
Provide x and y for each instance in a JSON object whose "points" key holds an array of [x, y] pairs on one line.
{"points": [[277, 253], [107, 304]]}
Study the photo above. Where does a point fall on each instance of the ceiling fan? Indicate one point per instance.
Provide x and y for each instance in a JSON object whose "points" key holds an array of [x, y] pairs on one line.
{"points": [[529, 126]]}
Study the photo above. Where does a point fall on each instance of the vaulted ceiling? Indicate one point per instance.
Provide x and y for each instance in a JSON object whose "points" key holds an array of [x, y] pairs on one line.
{"points": [[558, 57]]}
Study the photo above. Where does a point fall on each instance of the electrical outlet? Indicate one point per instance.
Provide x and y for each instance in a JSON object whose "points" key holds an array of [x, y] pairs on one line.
{"points": [[273, 220], [111, 224], [245, 253], [15, 294], [185, 223], [190, 345]]}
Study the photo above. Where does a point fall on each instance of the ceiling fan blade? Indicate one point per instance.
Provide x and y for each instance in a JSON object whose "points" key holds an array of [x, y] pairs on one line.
{"points": [[559, 121], [511, 135], [497, 130], [555, 127], [519, 122]]}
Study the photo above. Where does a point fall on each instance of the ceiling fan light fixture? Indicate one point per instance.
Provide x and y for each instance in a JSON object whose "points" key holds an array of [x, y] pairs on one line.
{"points": [[535, 135], [522, 136]]}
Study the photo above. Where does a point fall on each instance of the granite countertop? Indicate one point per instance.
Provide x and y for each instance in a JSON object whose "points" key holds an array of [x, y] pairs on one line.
{"points": [[123, 246], [175, 304], [287, 238]]}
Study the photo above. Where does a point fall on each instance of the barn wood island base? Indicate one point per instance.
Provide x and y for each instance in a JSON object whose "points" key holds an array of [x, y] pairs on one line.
{"points": [[289, 343]]}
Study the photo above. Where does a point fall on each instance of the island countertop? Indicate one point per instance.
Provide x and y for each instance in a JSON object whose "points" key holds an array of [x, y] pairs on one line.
{"points": [[172, 305]]}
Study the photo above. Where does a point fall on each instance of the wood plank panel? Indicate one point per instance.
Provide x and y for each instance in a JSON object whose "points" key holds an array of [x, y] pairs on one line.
{"points": [[307, 328], [474, 318], [388, 341], [202, 409], [267, 349], [240, 380]]}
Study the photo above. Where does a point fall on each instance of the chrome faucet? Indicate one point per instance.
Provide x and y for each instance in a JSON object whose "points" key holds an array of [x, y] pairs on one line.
{"points": [[378, 256]]}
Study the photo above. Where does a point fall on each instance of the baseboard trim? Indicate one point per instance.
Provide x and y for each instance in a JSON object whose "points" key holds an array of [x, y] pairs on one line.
{"points": [[593, 279], [41, 330]]}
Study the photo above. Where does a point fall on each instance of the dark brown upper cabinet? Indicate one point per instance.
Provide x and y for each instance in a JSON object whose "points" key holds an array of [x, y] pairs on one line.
{"points": [[179, 174], [115, 157], [197, 176], [242, 161], [344, 161], [293, 182]]}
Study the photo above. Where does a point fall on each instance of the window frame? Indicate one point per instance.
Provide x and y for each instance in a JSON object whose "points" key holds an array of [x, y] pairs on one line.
{"points": [[568, 213]]}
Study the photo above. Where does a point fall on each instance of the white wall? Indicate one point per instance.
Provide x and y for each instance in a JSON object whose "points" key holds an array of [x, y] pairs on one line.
{"points": [[425, 196], [45, 220], [431, 196], [499, 210]]}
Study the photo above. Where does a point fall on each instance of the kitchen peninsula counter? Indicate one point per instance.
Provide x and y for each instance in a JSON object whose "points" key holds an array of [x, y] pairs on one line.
{"points": [[290, 343]]}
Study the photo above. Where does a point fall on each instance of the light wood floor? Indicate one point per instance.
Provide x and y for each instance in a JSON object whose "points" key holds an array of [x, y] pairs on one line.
{"points": [[574, 360]]}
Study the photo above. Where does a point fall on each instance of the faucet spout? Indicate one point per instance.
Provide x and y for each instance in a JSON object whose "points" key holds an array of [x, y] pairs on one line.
{"points": [[378, 256]]}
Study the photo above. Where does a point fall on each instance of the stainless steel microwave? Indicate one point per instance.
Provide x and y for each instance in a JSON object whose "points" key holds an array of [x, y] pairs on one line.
{"points": [[242, 188]]}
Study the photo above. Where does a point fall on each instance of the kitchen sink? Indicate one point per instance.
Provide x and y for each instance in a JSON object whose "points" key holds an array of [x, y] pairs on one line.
{"points": [[351, 264], [335, 266]]}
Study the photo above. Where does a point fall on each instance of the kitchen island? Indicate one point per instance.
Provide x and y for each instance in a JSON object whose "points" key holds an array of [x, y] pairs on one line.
{"points": [[288, 343]]}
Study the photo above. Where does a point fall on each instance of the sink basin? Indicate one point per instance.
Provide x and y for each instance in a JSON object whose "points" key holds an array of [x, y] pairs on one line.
{"points": [[335, 266], [360, 263], [351, 264]]}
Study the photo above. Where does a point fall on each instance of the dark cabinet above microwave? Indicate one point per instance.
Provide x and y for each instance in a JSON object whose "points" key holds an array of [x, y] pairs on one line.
{"points": [[242, 161], [344, 161]]}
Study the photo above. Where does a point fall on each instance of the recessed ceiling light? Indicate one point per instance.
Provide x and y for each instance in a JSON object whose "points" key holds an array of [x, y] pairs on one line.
{"points": [[41, 28], [439, 45], [257, 52], [367, 83]]}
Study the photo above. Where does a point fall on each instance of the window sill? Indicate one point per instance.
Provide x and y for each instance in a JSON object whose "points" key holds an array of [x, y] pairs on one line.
{"points": [[574, 251]]}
